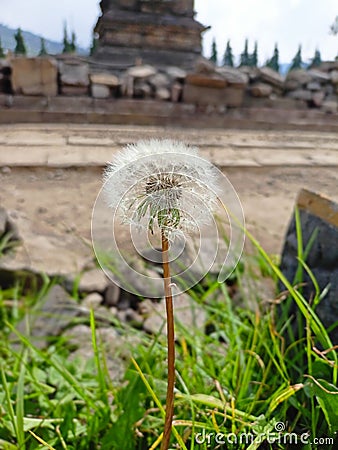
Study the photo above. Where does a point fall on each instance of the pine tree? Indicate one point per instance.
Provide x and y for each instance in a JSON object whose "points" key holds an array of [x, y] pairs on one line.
{"points": [[273, 63], [253, 59], [213, 56], [94, 44], [2, 53], [297, 60], [228, 59], [20, 48], [43, 50], [245, 58], [73, 42], [317, 59], [66, 43]]}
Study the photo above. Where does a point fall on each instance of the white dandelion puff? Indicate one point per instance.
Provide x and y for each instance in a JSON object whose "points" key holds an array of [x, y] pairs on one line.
{"points": [[162, 183]]}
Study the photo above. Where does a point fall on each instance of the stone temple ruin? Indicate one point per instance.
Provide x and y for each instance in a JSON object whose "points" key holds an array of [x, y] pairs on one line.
{"points": [[160, 32]]}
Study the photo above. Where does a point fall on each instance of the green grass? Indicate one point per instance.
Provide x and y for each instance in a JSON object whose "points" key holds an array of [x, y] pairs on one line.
{"points": [[250, 372]]}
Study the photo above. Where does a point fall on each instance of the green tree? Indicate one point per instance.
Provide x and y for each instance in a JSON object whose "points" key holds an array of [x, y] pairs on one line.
{"points": [[2, 52], [73, 42], [228, 58], [334, 26], [43, 50], [66, 44], [94, 45], [317, 59], [245, 58], [213, 56], [254, 56], [273, 62], [297, 60], [20, 47]]}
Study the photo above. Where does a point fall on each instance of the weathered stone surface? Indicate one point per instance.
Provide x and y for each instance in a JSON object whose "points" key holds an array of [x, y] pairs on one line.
{"points": [[159, 80], [330, 106], [299, 75], [144, 71], [234, 77], [229, 96], [176, 92], [292, 85], [112, 295], [162, 94], [34, 76], [107, 79], [186, 311], [80, 91], [270, 76], [100, 91], [42, 251], [212, 81], [93, 300], [74, 73], [318, 98], [49, 317], [263, 90], [160, 32], [318, 75], [176, 73], [301, 94], [318, 215], [314, 86], [93, 280], [205, 66], [334, 76]]}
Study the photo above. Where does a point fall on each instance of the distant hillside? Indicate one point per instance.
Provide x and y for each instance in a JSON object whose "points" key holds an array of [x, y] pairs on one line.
{"points": [[32, 41]]}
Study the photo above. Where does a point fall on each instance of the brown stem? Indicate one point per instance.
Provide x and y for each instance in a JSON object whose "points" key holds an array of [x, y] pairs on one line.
{"points": [[169, 410]]}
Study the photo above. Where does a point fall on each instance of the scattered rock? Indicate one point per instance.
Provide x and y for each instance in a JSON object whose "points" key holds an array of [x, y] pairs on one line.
{"points": [[100, 91], [42, 251], [112, 295], [93, 280], [159, 80], [270, 76], [318, 98], [202, 80], [204, 66], [162, 94], [318, 75], [334, 77], [330, 106], [142, 71], [74, 73], [234, 77], [301, 94], [186, 311], [105, 79], [317, 215], [92, 300], [175, 73], [49, 317], [314, 86], [262, 90], [303, 77]]}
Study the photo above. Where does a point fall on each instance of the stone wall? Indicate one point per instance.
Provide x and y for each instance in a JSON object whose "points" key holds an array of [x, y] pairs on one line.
{"points": [[208, 87]]}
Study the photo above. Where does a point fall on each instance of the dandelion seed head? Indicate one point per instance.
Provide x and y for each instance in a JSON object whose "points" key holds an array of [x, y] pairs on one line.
{"points": [[164, 182]]}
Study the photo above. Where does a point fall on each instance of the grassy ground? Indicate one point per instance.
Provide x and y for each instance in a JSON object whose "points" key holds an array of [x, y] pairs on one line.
{"points": [[257, 378]]}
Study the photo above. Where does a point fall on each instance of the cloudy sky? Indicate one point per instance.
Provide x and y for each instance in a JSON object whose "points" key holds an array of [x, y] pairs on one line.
{"points": [[287, 22]]}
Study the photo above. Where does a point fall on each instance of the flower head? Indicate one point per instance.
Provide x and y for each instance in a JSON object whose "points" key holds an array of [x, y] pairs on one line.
{"points": [[163, 183]]}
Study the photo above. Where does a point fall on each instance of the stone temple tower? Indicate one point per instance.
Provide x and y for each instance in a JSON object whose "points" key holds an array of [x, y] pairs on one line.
{"points": [[158, 32]]}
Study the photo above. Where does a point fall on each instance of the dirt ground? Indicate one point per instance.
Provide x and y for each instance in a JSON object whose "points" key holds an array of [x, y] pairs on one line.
{"points": [[60, 198]]}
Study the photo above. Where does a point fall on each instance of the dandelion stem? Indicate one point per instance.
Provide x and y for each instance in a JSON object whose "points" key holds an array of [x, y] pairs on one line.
{"points": [[171, 345]]}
